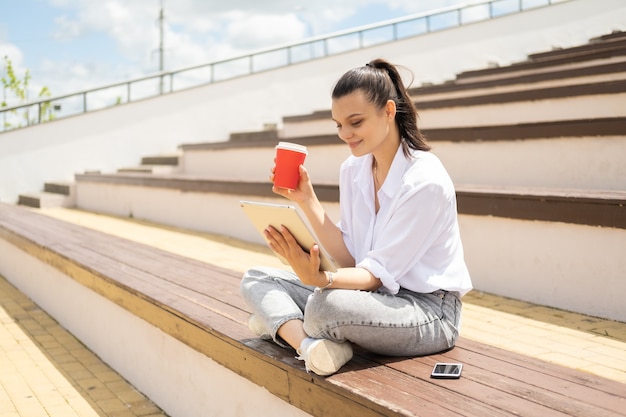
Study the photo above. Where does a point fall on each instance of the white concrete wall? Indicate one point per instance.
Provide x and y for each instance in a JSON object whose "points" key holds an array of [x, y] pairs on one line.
{"points": [[179, 379], [535, 111], [564, 163], [573, 267], [120, 136]]}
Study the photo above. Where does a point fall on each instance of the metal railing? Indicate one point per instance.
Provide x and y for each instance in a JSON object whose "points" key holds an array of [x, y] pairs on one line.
{"points": [[261, 60]]}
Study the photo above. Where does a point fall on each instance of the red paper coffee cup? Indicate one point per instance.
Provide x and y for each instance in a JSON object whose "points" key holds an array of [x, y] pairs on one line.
{"points": [[289, 157]]}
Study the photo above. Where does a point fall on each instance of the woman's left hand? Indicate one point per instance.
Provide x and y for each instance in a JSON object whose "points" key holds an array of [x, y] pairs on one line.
{"points": [[305, 265]]}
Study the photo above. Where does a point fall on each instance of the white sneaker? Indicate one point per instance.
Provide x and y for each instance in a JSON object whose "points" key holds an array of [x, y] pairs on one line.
{"points": [[323, 356], [258, 327]]}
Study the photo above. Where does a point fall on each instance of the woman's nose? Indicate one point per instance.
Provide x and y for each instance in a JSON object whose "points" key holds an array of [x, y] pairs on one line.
{"points": [[344, 133]]}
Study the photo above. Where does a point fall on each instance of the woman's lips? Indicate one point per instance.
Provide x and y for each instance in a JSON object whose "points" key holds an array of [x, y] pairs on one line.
{"points": [[354, 144]]}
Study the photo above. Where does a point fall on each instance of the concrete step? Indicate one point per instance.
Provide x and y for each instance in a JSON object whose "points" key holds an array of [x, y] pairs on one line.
{"points": [[54, 194], [151, 169], [60, 187], [489, 106], [46, 200], [597, 50], [585, 154], [156, 164], [171, 160]]}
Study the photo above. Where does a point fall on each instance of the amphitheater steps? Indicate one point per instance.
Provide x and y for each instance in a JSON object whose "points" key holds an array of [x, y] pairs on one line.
{"points": [[536, 152], [54, 194]]}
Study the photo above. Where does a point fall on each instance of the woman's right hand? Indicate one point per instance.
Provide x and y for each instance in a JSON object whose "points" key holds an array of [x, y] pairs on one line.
{"points": [[302, 193]]}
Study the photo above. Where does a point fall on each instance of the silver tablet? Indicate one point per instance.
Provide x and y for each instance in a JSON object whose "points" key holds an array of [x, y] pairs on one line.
{"points": [[269, 214]]}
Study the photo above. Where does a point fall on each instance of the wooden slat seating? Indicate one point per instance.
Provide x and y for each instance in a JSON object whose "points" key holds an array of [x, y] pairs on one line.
{"points": [[601, 49], [199, 304], [595, 208]]}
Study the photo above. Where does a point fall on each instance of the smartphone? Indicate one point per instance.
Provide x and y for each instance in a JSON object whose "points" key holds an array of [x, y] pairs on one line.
{"points": [[447, 370]]}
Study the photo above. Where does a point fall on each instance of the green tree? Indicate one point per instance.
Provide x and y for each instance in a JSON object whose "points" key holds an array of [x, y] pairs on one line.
{"points": [[19, 88]]}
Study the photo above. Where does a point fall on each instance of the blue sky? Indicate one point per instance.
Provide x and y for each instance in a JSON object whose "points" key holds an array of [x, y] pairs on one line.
{"points": [[70, 45]]}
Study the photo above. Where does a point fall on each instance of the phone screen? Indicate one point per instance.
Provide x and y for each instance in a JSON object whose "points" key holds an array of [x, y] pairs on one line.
{"points": [[447, 370]]}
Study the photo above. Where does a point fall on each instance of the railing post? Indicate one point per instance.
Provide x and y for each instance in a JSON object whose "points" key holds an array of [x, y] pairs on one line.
{"points": [[128, 92], [85, 102]]}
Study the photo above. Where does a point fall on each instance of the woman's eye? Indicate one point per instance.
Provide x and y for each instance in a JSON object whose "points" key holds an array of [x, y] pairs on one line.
{"points": [[357, 123]]}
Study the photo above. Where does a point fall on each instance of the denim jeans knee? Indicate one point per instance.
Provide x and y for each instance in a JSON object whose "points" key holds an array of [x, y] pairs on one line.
{"points": [[275, 296]]}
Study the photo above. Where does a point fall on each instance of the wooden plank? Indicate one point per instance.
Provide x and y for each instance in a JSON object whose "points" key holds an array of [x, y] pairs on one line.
{"points": [[469, 388], [524, 79], [601, 391], [526, 95], [529, 379], [418, 395]]}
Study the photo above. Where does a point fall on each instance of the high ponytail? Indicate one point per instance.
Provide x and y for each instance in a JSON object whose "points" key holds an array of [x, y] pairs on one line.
{"points": [[381, 81]]}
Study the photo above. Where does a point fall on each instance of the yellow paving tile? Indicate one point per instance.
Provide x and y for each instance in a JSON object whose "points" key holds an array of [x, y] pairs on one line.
{"points": [[45, 371], [606, 372]]}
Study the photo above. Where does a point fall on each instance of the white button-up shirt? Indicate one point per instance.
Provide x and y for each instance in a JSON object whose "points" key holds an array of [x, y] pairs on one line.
{"points": [[414, 241]]}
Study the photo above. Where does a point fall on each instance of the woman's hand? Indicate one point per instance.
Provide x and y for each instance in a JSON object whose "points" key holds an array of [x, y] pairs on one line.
{"points": [[302, 193], [305, 265]]}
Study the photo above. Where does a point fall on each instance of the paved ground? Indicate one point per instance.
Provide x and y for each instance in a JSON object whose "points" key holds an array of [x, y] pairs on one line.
{"points": [[45, 371]]}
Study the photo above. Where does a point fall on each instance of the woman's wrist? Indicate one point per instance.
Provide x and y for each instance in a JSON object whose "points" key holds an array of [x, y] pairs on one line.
{"points": [[329, 280]]}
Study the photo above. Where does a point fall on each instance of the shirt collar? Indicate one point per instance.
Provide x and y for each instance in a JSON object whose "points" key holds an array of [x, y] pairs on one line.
{"points": [[393, 182]]}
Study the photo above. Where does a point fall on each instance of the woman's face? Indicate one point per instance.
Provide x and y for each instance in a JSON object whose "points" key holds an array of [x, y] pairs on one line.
{"points": [[360, 124]]}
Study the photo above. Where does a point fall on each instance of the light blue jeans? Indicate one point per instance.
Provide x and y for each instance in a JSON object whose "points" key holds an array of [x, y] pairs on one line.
{"points": [[405, 324]]}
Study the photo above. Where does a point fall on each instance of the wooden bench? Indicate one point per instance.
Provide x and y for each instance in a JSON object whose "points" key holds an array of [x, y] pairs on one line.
{"points": [[199, 304]]}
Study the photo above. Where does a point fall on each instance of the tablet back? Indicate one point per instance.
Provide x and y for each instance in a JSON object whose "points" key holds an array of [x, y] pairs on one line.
{"points": [[263, 215]]}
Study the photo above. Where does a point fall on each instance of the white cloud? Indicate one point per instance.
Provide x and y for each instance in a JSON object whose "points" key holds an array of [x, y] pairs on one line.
{"points": [[257, 31], [66, 29], [13, 52]]}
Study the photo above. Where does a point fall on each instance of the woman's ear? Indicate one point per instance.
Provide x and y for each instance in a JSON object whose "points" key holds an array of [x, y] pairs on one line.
{"points": [[390, 109]]}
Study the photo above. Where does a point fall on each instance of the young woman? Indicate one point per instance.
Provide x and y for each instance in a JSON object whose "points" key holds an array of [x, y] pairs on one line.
{"points": [[398, 291]]}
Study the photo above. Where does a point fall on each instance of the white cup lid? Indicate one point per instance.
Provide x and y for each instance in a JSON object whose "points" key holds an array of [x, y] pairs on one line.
{"points": [[292, 147]]}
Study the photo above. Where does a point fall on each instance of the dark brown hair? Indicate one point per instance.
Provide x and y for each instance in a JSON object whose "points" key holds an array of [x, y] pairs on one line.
{"points": [[381, 81]]}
